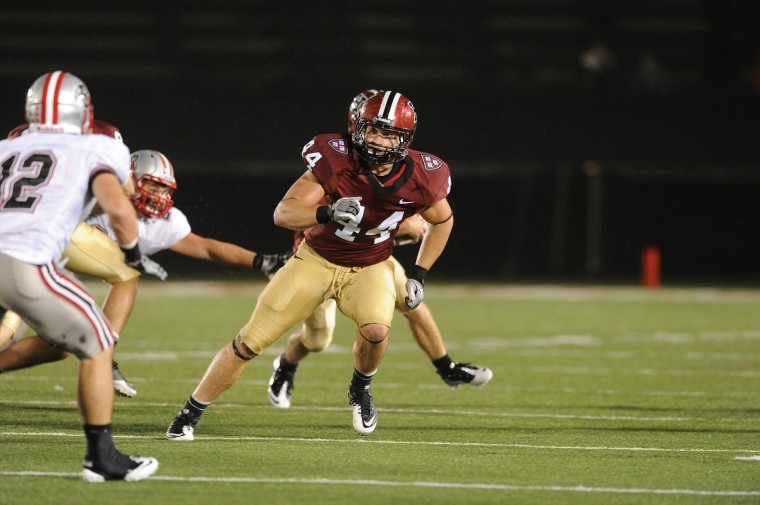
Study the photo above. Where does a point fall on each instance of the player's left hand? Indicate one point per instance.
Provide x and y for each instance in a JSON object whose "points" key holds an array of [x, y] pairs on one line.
{"points": [[415, 292], [148, 266], [411, 230]]}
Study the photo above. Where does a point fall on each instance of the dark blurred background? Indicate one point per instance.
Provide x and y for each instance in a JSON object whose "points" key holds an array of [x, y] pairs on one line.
{"points": [[578, 132]]}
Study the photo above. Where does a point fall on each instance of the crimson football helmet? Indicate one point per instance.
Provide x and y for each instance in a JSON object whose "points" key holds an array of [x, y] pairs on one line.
{"points": [[107, 129], [153, 176], [391, 111], [353, 109], [59, 102]]}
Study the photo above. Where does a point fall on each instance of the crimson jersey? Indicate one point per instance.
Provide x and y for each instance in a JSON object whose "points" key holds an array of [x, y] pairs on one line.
{"points": [[421, 181]]}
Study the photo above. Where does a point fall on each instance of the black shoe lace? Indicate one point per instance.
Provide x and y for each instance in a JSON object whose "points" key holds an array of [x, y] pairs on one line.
{"points": [[280, 376], [184, 419], [364, 400], [456, 373], [367, 405]]}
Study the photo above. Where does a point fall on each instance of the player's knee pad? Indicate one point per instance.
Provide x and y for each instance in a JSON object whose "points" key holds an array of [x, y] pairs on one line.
{"points": [[374, 333], [241, 350]]}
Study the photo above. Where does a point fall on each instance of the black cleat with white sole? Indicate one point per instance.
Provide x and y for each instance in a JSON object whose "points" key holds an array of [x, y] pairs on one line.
{"points": [[465, 373], [364, 413], [280, 384], [119, 467], [182, 427]]}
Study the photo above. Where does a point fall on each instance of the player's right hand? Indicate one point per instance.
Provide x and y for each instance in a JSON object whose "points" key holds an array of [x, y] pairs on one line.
{"points": [[345, 209], [269, 264]]}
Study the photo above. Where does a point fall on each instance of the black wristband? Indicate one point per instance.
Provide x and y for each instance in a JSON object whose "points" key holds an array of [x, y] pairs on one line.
{"points": [[132, 255], [257, 261], [323, 214], [418, 274]]}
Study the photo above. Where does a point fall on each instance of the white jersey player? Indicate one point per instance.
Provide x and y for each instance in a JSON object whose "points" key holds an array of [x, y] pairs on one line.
{"points": [[47, 178], [162, 226], [156, 234], [93, 251]]}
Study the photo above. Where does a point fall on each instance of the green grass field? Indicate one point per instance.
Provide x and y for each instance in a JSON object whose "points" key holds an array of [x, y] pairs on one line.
{"points": [[599, 396]]}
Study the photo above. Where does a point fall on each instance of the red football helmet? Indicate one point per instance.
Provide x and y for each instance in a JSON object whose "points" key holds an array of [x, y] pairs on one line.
{"points": [[106, 129], [353, 109], [391, 111], [153, 175]]}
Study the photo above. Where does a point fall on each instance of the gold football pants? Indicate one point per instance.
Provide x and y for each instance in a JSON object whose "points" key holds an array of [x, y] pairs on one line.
{"points": [[364, 294], [91, 252]]}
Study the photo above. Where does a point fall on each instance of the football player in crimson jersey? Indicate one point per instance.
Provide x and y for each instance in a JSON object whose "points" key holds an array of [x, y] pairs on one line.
{"points": [[92, 251], [374, 183], [316, 333], [49, 176]]}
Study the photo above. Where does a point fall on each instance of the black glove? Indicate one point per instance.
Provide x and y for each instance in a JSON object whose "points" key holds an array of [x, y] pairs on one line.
{"points": [[270, 263], [132, 255], [142, 263]]}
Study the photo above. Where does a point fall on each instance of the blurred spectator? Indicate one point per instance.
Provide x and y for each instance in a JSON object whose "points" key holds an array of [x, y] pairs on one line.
{"points": [[650, 77], [598, 64]]}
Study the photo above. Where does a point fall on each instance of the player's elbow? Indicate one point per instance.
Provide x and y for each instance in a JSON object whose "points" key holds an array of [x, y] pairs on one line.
{"points": [[283, 219]]}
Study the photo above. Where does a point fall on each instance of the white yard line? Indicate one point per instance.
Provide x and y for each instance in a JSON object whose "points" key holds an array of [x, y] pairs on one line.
{"points": [[430, 386], [445, 412], [399, 442], [417, 484]]}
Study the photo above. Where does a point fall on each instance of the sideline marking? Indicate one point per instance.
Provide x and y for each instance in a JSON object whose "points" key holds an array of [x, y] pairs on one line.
{"points": [[392, 442], [444, 485]]}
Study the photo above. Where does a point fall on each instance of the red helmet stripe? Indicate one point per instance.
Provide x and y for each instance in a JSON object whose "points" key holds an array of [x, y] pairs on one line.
{"points": [[168, 169], [43, 105], [55, 96], [50, 92]]}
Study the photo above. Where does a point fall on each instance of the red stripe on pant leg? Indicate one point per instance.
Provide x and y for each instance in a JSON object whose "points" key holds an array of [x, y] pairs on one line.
{"points": [[76, 296]]}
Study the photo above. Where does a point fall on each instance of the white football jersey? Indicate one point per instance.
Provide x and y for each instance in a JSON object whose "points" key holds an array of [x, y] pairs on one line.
{"points": [[45, 183], [155, 234]]}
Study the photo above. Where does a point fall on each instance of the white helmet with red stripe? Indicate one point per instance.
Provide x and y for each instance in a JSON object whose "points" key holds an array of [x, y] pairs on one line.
{"points": [[353, 109], [153, 175], [59, 102]]}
